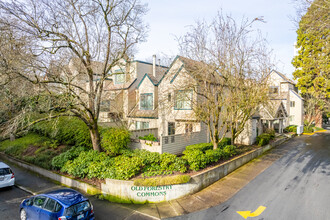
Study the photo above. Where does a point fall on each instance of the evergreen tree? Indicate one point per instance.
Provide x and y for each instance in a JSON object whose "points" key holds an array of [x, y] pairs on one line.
{"points": [[312, 62]]}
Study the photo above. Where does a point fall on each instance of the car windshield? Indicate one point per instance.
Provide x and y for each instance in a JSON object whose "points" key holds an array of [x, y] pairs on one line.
{"points": [[77, 208], [5, 171]]}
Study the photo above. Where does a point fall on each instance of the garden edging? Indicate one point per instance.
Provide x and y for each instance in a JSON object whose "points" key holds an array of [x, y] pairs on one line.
{"points": [[125, 191]]}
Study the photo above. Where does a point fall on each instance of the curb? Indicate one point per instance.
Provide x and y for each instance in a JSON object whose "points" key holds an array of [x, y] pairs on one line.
{"points": [[25, 189]]}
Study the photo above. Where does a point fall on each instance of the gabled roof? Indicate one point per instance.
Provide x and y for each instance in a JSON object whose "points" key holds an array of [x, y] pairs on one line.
{"points": [[283, 77], [151, 78], [124, 86], [191, 66], [273, 109], [294, 92], [137, 113]]}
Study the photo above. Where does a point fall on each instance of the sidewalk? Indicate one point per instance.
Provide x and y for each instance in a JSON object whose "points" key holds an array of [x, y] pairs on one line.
{"points": [[213, 195]]}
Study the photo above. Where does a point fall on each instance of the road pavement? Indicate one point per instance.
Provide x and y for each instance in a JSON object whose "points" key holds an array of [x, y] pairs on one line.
{"points": [[294, 187]]}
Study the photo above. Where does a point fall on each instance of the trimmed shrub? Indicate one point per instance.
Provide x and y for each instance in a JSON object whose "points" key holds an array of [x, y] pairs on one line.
{"points": [[290, 128], [224, 142], [59, 161], [202, 147], [125, 167], [162, 181], [263, 139], [114, 140], [213, 156], [160, 164], [79, 167], [195, 158], [149, 137], [229, 151]]}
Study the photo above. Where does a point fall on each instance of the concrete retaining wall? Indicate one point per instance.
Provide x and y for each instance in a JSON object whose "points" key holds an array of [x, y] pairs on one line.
{"points": [[126, 190]]}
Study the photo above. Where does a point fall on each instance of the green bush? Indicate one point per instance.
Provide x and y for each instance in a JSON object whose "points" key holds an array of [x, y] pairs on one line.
{"points": [[290, 128], [149, 137], [202, 147], [224, 142], [263, 139], [147, 156], [114, 140], [92, 164], [229, 151], [160, 164], [213, 156], [59, 161], [66, 130], [79, 167], [308, 129], [196, 159]]}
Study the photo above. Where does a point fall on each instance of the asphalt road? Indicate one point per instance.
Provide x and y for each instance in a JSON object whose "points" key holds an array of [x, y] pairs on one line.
{"points": [[295, 187], [10, 199]]}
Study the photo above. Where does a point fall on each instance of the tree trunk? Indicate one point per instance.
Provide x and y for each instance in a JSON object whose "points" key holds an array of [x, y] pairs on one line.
{"points": [[95, 137], [318, 118], [215, 145]]}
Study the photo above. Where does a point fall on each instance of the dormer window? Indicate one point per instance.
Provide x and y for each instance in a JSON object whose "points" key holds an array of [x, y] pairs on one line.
{"points": [[120, 77], [146, 101], [273, 90]]}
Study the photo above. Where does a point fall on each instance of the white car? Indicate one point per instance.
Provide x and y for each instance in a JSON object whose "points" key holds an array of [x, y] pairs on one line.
{"points": [[7, 177]]}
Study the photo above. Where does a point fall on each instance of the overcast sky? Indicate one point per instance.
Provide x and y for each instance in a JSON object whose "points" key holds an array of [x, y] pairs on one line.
{"points": [[170, 18]]}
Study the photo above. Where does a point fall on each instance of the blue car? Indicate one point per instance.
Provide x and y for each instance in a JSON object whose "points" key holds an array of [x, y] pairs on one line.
{"points": [[63, 204]]}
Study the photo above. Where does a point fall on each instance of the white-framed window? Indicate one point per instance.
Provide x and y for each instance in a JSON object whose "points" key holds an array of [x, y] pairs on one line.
{"points": [[183, 99], [120, 78], [141, 125], [292, 104], [273, 90], [146, 101]]}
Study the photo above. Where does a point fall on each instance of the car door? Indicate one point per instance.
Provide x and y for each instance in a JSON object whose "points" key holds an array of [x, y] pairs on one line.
{"points": [[49, 210], [5, 175], [35, 208]]}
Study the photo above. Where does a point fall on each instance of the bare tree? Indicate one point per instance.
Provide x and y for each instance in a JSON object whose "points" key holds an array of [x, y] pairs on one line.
{"points": [[86, 30], [231, 81]]}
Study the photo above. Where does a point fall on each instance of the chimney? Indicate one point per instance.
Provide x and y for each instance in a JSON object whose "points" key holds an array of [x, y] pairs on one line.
{"points": [[154, 65]]}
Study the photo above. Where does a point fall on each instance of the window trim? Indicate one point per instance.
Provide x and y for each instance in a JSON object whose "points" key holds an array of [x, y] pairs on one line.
{"points": [[273, 87], [292, 104], [119, 73], [168, 128], [175, 99], [152, 104]]}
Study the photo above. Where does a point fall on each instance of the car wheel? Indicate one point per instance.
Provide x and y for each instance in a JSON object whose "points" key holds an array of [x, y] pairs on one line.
{"points": [[23, 214]]}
